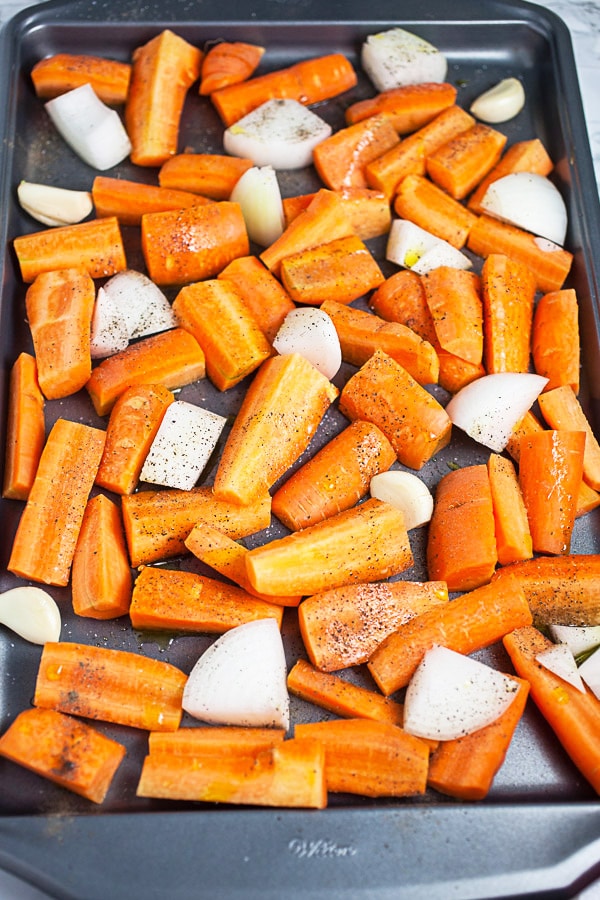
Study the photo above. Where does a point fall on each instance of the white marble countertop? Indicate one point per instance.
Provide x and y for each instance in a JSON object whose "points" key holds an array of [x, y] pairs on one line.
{"points": [[583, 20]]}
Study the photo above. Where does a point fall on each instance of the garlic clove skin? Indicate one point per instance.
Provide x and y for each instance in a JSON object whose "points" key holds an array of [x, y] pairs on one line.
{"points": [[54, 206], [31, 613], [500, 103]]}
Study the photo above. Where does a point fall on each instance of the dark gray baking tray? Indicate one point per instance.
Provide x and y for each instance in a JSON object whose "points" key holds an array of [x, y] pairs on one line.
{"points": [[538, 833]]}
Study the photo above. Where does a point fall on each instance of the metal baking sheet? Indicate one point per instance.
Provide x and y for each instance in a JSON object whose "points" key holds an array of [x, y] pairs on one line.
{"points": [[538, 832]]}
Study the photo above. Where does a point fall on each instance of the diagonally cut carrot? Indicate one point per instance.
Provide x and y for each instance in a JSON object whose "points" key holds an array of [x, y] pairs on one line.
{"points": [[508, 292], [214, 740], [555, 339], [459, 165], [130, 200], [263, 294], [513, 537], [454, 301], [340, 159], [408, 107], [562, 410], [62, 72], [45, 541], [430, 207], [228, 62], [210, 174], [368, 211], [25, 428]]}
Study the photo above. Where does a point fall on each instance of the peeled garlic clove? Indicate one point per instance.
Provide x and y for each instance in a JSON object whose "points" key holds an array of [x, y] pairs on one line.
{"points": [[53, 205], [407, 493], [31, 613], [501, 102]]}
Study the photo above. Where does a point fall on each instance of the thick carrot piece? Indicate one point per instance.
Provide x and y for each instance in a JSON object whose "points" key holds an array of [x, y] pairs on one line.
{"points": [[408, 107], [191, 244], [101, 581], [559, 589], [366, 543], [335, 478], [459, 165], [341, 697], [132, 426], [163, 71], [573, 716], [408, 157], [70, 753], [158, 522], [210, 174], [361, 333], [465, 768], [323, 220], [233, 344], [562, 410], [263, 294], [340, 159], [549, 263], [430, 207], [25, 428], [341, 270], [171, 358], [461, 543], [383, 392], [524, 156], [110, 685], [291, 774], [508, 292], [59, 308], [216, 740], [550, 470], [309, 81], [343, 627], [172, 600], [130, 200], [368, 211], [471, 622], [278, 417], [373, 759], [555, 339], [226, 556], [454, 300], [45, 541], [228, 62], [64, 72], [513, 537], [95, 246]]}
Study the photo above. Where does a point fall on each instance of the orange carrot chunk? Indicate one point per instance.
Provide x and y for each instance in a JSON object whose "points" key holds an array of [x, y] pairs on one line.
{"points": [[430, 207], [163, 70], [132, 426], [413, 421], [59, 309], [64, 72], [232, 342], [508, 291], [459, 165], [335, 478], [465, 768], [367, 211], [171, 358], [158, 522], [360, 333], [408, 107], [279, 415], [214, 740], [110, 685], [101, 576], [454, 301], [340, 159], [573, 716], [461, 545], [130, 200], [228, 62], [555, 339], [263, 294], [513, 537], [45, 541], [25, 428], [309, 81], [210, 174], [562, 410], [343, 626], [370, 758], [64, 750], [95, 246], [469, 623], [549, 263], [524, 156], [550, 470], [192, 244], [341, 270]]}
